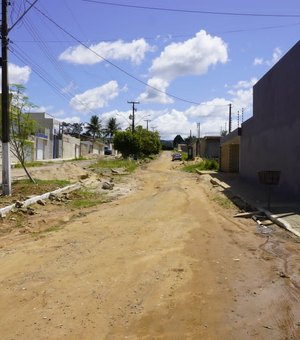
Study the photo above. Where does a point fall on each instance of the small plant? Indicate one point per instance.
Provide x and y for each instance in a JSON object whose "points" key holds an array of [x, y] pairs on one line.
{"points": [[223, 201], [26, 188], [127, 164], [86, 199], [206, 164], [53, 229], [29, 164]]}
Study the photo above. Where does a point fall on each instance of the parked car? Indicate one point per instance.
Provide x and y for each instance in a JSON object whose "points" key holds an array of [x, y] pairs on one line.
{"points": [[176, 157], [107, 150]]}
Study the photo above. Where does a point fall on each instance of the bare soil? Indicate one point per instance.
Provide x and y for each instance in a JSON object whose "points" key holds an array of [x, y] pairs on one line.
{"points": [[168, 261]]}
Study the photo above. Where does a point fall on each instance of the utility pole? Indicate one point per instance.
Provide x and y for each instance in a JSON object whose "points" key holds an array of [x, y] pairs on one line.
{"points": [[242, 115], [133, 112], [147, 121], [198, 140], [6, 168], [229, 126]]}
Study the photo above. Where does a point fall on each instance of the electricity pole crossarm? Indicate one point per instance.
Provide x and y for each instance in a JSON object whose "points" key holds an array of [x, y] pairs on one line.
{"points": [[133, 114]]}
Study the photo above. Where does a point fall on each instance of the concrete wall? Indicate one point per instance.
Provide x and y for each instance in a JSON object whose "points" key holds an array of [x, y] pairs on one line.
{"points": [[69, 147], [270, 139], [230, 158], [210, 147]]}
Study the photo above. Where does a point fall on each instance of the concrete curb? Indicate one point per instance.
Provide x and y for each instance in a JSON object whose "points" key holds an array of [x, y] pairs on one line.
{"points": [[26, 203], [274, 218], [279, 221]]}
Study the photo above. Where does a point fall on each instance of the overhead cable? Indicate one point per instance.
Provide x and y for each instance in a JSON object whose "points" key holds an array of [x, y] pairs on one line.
{"points": [[194, 11], [115, 65]]}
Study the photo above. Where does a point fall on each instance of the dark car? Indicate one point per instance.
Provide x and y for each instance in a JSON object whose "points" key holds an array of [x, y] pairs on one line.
{"points": [[107, 151], [176, 157]]}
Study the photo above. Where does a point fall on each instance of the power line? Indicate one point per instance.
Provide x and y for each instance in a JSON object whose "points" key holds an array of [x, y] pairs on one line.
{"points": [[115, 65], [173, 36], [22, 16], [41, 73], [195, 11]]}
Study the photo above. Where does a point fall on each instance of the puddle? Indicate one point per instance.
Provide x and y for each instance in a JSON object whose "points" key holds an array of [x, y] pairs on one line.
{"points": [[262, 229]]}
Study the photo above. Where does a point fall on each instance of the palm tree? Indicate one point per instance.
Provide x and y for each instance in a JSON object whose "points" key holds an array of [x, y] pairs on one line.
{"points": [[111, 127], [94, 127]]}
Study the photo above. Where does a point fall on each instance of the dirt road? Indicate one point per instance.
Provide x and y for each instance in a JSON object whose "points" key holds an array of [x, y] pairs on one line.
{"points": [[166, 262]]}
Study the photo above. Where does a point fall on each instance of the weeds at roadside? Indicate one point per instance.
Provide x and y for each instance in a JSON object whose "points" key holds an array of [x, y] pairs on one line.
{"points": [[223, 201], [206, 164], [30, 164], [126, 164], [81, 199], [23, 189]]}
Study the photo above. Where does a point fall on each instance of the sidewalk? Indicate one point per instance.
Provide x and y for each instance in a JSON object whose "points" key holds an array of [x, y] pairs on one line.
{"points": [[282, 211]]}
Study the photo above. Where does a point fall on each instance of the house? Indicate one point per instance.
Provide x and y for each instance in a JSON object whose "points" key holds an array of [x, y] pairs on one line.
{"points": [[46, 136], [50, 142], [210, 147], [230, 151], [91, 147], [269, 140]]}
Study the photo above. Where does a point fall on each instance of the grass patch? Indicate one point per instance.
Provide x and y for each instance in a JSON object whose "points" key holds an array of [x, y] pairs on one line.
{"points": [[126, 164], [26, 187], [22, 189], [81, 199], [185, 156], [54, 228], [206, 164], [223, 201], [29, 165]]}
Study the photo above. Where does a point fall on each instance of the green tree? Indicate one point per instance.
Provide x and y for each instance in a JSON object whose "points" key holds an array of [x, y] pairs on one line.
{"points": [[111, 127], [127, 143], [141, 143], [94, 127], [150, 142], [72, 129], [22, 126], [177, 140], [190, 140]]}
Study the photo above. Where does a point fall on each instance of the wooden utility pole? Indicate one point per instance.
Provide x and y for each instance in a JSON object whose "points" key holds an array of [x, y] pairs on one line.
{"points": [[133, 114], [6, 168]]}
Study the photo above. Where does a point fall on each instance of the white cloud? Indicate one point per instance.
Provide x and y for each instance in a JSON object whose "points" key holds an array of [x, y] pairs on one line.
{"points": [[156, 92], [212, 115], [213, 108], [72, 119], [121, 116], [276, 55], [192, 57], [245, 84], [95, 98], [18, 74], [70, 88], [258, 61], [242, 94], [118, 50]]}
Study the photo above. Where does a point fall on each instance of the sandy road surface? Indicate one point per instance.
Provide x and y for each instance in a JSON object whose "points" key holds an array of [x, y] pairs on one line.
{"points": [[164, 263]]}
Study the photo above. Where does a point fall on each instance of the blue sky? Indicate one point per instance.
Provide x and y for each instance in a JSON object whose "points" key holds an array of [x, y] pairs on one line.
{"points": [[79, 58]]}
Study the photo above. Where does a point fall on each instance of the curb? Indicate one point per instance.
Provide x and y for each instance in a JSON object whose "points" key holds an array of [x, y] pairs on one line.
{"points": [[26, 203], [279, 221], [274, 218]]}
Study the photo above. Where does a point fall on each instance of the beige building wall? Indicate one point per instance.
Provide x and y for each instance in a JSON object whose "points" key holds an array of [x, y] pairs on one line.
{"points": [[69, 147]]}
